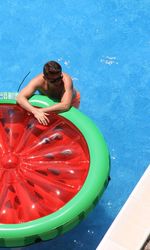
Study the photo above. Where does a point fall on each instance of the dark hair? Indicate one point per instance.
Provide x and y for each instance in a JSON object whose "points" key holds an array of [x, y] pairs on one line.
{"points": [[51, 67]]}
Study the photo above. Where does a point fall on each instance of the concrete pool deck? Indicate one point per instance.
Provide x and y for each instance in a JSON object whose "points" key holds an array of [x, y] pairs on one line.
{"points": [[131, 228]]}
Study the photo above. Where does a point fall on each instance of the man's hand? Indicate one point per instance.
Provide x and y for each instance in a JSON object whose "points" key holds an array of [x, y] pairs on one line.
{"points": [[41, 116]]}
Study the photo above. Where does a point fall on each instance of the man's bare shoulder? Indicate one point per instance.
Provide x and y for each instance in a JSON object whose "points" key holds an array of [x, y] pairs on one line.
{"points": [[37, 81], [67, 79], [66, 75], [34, 84]]}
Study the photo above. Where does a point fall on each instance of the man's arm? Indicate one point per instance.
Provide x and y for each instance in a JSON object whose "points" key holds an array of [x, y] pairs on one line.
{"points": [[26, 93]]}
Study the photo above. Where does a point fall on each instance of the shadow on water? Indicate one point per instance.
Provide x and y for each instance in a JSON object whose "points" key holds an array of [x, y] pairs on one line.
{"points": [[93, 229]]}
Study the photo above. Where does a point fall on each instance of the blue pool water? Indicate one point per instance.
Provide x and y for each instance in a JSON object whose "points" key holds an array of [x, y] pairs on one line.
{"points": [[105, 47]]}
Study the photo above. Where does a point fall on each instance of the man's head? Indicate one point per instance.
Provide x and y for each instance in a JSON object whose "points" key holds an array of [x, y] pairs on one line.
{"points": [[52, 71]]}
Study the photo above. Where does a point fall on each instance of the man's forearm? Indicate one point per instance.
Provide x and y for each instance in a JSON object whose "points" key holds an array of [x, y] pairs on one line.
{"points": [[24, 103], [57, 107]]}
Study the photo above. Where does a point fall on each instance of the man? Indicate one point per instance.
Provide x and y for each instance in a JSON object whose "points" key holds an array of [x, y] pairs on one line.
{"points": [[56, 85]]}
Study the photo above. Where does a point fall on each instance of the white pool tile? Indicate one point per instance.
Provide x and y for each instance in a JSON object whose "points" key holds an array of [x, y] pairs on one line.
{"points": [[131, 227]]}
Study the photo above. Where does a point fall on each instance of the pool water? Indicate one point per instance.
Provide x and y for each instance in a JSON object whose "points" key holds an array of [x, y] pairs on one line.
{"points": [[105, 47]]}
